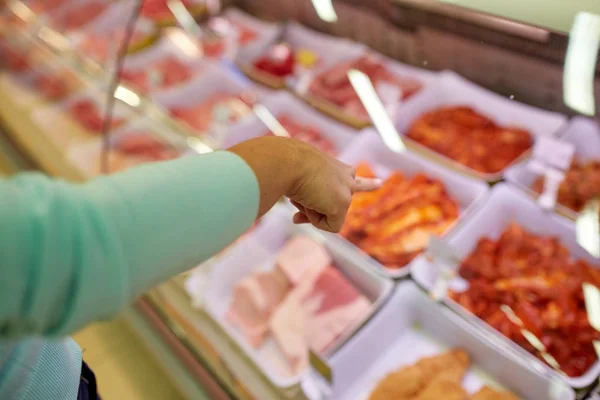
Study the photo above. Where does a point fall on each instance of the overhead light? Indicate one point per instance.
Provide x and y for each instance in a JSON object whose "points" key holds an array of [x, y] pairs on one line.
{"points": [[325, 10], [580, 63], [269, 120], [197, 145], [377, 112], [185, 42], [127, 96], [587, 227]]}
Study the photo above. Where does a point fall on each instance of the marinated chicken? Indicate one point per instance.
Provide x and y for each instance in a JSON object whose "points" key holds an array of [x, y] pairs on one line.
{"points": [[470, 138], [536, 277], [393, 224], [581, 184]]}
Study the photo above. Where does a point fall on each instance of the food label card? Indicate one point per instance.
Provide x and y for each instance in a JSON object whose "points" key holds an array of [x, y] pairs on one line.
{"points": [[553, 152]]}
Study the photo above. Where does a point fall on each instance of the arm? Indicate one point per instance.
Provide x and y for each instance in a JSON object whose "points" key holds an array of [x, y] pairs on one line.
{"points": [[72, 254]]}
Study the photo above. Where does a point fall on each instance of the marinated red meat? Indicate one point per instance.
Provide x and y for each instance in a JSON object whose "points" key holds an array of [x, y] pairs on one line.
{"points": [[42, 6], [581, 184], [200, 117], [80, 15], [536, 277], [87, 113], [171, 72], [470, 138], [100, 47], [306, 133], [394, 224], [335, 87]]}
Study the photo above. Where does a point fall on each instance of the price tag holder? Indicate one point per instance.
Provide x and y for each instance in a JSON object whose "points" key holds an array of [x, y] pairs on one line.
{"points": [[444, 257], [551, 158], [305, 78]]}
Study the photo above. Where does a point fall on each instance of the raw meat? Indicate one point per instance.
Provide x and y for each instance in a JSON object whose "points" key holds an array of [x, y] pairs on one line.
{"points": [[300, 255], [470, 138], [215, 46], [333, 304], [171, 72], [335, 87], [158, 10], [56, 84], [201, 116], [279, 61], [42, 6], [145, 148], [101, 47], [536, 277], [581, 184], [289, 326], [15, 60], [307, 134], [80, 15], [487, 393], [304, 302], [394, 224], [87, 113]]}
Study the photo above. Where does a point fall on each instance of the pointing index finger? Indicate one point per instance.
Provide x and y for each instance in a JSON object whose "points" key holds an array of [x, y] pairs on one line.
{"points": [[366, 184]]}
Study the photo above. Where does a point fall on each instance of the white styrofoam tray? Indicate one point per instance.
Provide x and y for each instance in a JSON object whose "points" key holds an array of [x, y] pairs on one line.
{"points": [[55, 15], [368, 147], [584, 135], [166, 47], [285, 103], [411, 326], [215, 79], [451, 89], [266, 32], [329, 49], [257, 252], [505, 205]]}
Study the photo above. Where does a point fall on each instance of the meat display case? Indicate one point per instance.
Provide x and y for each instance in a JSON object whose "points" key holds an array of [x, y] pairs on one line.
{"points": [[515, 67]]}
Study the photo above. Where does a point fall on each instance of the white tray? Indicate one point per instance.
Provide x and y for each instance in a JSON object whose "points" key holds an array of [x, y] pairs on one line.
{"points": [[411, 326], [266, 32], [584, 134], [256, 252], [57, 14], [505, 205], [451, 89], [330, 50], [166, 47], [285, 103], [368, 147]]}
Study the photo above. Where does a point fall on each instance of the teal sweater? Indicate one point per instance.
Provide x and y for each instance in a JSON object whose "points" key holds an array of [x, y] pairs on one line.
{"points": [[75, 254]]}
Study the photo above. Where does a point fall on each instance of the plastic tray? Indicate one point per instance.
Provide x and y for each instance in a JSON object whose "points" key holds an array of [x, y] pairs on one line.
{"points": [[166, 47], [584, 134], [285, 103], [266, 32], [411, 326], [56, 121], [113, 19], [330, 51], [451, 89], [256, 252], [396, 68], [369, 147], [215, 79], [55, 16], [505, 205]]}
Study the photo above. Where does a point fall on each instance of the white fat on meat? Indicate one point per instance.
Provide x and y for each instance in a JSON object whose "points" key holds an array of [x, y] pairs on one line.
{"points": [[254, 299], [288, 326], [300, 255]]}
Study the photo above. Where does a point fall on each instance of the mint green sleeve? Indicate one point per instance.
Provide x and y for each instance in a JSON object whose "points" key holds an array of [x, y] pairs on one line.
{"points": [[73, 254]]}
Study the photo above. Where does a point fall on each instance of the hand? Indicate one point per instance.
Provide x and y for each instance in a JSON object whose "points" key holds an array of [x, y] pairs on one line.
{"points": [[320, 186], [325, 190]]}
